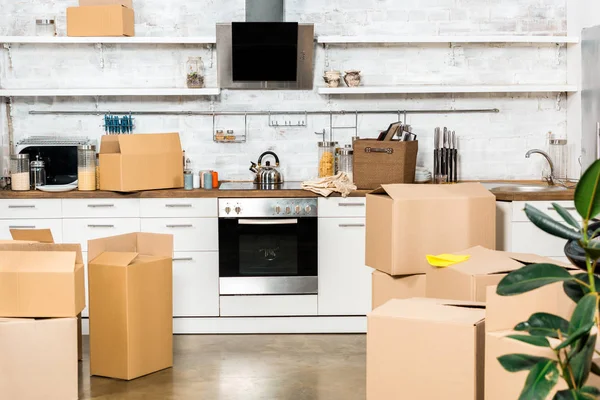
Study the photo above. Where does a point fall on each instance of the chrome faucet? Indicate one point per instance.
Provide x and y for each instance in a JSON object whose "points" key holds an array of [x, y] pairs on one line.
{"points": [[550, 178]]}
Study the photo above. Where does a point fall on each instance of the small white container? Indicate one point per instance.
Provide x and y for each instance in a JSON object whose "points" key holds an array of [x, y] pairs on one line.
{"points": [[197, 180], [45, 27]]}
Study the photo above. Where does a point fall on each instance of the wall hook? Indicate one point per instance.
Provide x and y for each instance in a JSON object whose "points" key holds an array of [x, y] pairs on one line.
{"points": [[10, 61]]}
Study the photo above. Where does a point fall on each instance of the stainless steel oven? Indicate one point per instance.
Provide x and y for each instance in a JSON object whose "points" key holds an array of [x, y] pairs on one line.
{"points": [[268, 246]]}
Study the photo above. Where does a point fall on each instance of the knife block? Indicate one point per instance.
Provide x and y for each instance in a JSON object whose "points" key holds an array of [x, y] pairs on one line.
{"points": [[379, 163]]}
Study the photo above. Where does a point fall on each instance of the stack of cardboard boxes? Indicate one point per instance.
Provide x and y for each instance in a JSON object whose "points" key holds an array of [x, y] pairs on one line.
{"points": [[101, 18]]}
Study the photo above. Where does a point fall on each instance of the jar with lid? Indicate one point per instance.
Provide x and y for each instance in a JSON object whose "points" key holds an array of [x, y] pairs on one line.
{"points": [[344, 160], [45, 27], [327, 158], [195, 72], [559, 154], [19, 167], [86, 167], [37, 173]]}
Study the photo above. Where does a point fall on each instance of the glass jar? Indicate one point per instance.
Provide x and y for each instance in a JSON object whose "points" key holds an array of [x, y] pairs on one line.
{"points": [[86, 167], [188, 180], [45, 27], [37, 173], [327, 158], [559, 154], [195, 73], [344, 161], [19, 177]]}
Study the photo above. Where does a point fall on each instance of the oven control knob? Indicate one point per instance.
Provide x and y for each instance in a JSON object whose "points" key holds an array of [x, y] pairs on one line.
{"points": [[308, 209], [277, 210], [227, 210], [238, 210], [297, 209], [288, 210]]}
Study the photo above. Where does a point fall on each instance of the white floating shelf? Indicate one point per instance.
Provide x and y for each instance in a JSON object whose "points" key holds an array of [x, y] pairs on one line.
{"points": [[445, 39], [107, 40], [443, 89], [108, 92]]}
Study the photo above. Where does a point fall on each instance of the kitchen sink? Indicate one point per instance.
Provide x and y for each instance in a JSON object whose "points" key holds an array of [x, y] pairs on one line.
{"points": [[528, 188]]}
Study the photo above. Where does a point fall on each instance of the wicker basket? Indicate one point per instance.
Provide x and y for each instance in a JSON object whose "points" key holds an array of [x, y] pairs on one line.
{"points": [[378, 163]]}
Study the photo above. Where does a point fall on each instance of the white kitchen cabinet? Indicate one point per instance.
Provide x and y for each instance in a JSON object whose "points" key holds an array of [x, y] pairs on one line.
{"points": [[178, 208], [340, 207], [189, 234], [196, 284], [82, 230], [55, 226], [101, 208], [268, 306], [30, 208], [518, 209], [344, 280]]}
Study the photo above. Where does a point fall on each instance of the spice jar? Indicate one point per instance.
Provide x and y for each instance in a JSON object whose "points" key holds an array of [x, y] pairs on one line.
{"points": [[19, 167], [86, 167], [45, 27], [344, 161], [195, 73], [37, 173], [327, 158]]}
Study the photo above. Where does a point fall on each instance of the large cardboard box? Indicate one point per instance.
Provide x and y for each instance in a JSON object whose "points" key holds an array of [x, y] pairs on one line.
{"points": [[125, 3], [107, 20], [39, 359], [41, 280], [426, 349], [386, 287], [405, 223], [130, 163], [131, 305], [469, 280]]}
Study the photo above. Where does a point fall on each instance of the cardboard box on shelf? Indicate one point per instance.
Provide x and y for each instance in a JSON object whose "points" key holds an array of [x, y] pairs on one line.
{"points": [[131, 305], [39, 359], [41, 280], [426, 349], [386, 287], [125, 3], [470, 279], [405, 223], [130, 163], [32, 235], [98, 21]]}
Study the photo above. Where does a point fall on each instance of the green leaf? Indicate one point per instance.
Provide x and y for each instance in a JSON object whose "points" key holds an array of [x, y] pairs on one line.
{"points": [[541, 380], [584, 313], [594, 391], [581, 362], [566, 216], [519, 362], [587, 193], [575, 336], [572, 395], [547, 224], [543, 324], [593, 249], [595, 369], [538, 341], [531, 277], [575, 291]]}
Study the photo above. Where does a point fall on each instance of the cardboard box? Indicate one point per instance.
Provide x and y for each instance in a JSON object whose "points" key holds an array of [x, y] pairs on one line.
{"points": [[386, 287], [470, 279], [131, 305], [379, 163], [39, 280], [405, 223], [94, 21], [124, 3], [425, 349], [501, 384], [39, 359], [32, 235], [130, 163]]}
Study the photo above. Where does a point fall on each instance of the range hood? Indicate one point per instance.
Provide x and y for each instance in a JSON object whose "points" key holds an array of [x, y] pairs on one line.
{"points": [[265, 52]]}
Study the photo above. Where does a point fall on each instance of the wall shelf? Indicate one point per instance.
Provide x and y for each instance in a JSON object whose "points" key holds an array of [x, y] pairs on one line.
{"points": [[446, 39], [208, 40], [444, 89], [108, 92]]}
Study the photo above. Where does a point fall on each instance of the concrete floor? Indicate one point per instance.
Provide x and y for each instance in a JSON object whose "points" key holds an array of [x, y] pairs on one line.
{"points": [[270, 367]]}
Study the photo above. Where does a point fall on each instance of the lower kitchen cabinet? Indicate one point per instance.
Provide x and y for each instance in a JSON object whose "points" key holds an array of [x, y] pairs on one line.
{"points": [[196, 284], [55, 226], [344, 280], [82, 230], [189, 234]]}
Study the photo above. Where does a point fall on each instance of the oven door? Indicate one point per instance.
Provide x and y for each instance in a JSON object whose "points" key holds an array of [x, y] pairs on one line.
{"points": [[268, 256]]}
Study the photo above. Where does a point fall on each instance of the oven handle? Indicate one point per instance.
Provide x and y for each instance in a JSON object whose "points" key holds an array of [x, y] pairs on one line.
{"points": [[268, 221]]}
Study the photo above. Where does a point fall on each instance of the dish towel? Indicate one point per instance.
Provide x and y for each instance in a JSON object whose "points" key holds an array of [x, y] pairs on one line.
{"points": [[339, 183], [446, 260]]}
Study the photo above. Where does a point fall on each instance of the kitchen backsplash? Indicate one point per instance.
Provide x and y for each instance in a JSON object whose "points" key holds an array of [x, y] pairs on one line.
{"points": [[492, 145]]}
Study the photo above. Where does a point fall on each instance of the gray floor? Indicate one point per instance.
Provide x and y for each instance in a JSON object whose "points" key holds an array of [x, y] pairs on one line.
{"points": [[295, 367]]}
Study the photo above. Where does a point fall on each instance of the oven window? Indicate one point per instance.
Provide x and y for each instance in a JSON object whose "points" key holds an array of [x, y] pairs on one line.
{"points": [[268, 254]]}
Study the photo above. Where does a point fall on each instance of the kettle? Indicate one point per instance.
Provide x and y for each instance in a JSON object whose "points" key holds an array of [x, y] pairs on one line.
{"points": [[267, 174]]}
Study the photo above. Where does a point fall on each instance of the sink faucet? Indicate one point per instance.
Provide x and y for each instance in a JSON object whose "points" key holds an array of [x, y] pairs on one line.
{"points": [[550, 178]]}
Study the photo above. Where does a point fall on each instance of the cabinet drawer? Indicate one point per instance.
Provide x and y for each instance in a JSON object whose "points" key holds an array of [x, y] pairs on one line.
{"points": [[101, 208], [196, 284], [340, 207], [82, 230], [545, 207], [189, 234], [268, 306], [30, 209], [527, 238], [178, 208], [55, 225]]}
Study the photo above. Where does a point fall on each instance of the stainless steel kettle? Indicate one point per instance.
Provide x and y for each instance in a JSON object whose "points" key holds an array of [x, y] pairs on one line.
{"points": [[267, 174]]}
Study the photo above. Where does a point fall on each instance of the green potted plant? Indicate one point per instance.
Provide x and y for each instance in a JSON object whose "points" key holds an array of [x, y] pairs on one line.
{"points": [[577, 338]]}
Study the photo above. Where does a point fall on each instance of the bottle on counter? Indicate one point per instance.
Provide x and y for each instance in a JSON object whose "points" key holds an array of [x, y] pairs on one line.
{"points": [[86, 167], [207, 180], [19, 167], [188, 180]]}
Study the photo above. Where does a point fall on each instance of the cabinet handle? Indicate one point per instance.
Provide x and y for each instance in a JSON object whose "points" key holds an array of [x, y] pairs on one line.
{"points": [[24, 206], [178, 205], [566, 208], [101, 205], [101, 226], [352, 225], [351, 204], [184, 259], [22, 227], [180, 226]]}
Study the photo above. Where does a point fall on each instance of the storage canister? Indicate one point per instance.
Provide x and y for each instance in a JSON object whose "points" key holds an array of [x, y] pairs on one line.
{"points": [[19, 167], [86, 167], [188, 180], [207, 182], [327, 158], [560, 157], [344, 160]]}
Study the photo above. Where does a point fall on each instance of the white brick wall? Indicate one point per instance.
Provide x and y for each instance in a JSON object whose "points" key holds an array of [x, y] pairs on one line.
{"points": [[492, 145]]}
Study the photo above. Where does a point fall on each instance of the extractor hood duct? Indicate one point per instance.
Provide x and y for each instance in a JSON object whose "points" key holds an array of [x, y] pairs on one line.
{"points": [[265, 11]]}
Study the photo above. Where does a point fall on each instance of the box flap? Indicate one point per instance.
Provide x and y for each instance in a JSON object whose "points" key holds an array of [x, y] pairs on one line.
{"points": [[37, 261], [121, 243], [416, 191], [120, 259], [32, 235], [155, 244], [43, 247], [158, 143], [435, 310], [486, 262], [526, 259], [109, 144]]}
